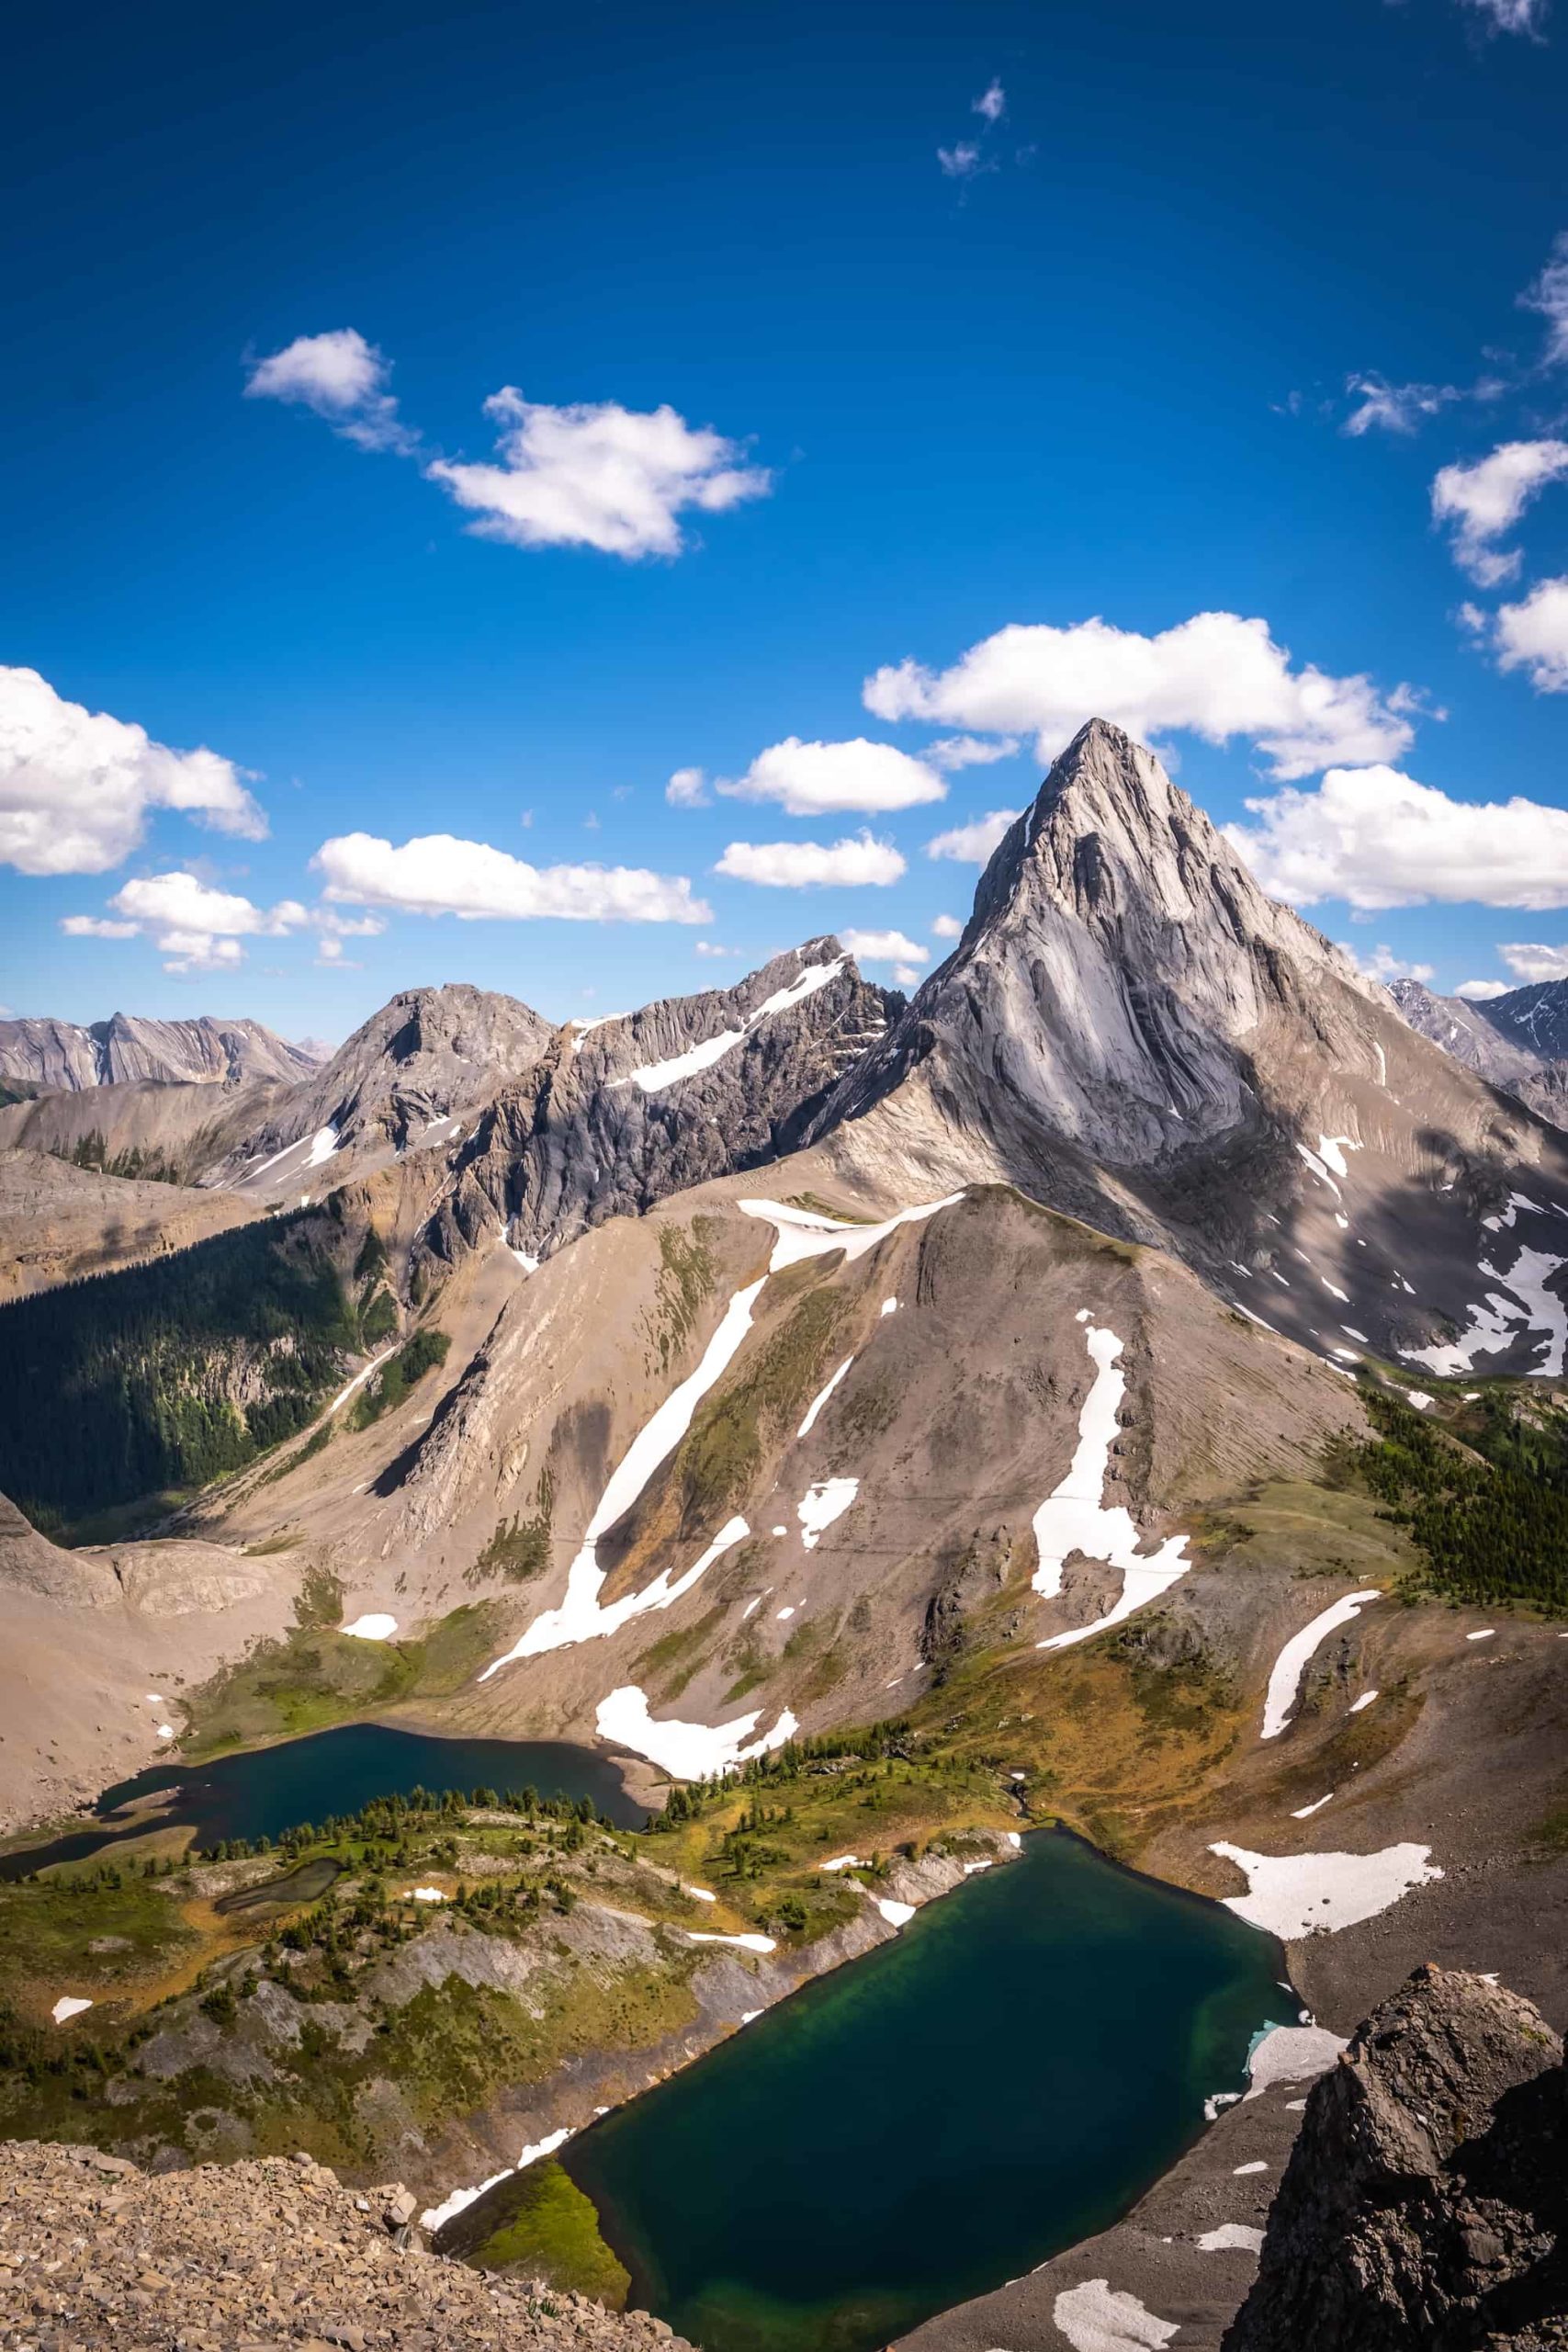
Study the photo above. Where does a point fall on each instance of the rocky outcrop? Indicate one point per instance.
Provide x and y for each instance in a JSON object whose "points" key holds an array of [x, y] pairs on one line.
{"points": [[29, 1562], [60, 1055], [1118, 972], [620, 1113], [427, 1056], [1424, 2204], [95, 2254]]}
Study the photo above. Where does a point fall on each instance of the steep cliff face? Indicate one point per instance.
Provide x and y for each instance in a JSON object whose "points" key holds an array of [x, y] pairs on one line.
{"points": [[60, 1055], [1423, 2206], [619, 1113], [1130, 1031], [1121, 973], [1533, 1018]]}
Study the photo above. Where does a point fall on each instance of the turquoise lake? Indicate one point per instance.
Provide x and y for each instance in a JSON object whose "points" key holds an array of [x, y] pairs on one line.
{"points": [[1001, 2081]]}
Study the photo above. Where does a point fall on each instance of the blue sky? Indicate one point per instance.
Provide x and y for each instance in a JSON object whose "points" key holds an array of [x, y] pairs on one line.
{"points": [[938, 366]]}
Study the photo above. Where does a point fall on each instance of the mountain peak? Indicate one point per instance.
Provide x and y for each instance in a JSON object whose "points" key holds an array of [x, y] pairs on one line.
{"points": [[1120, 974]]}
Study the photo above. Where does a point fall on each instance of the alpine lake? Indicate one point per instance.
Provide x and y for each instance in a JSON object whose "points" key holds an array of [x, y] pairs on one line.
{"points": [[999, 2081]]}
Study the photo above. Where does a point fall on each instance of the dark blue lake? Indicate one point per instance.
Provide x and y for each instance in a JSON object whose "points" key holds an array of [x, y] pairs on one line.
{"points": [[1003, 2081]]}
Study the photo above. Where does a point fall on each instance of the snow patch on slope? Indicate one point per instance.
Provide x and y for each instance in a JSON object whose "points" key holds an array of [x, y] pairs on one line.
{"points": [[1074, 1518]]}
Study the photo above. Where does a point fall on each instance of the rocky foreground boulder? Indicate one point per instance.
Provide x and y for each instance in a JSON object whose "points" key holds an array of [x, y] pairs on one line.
{"points": [[1424, 2204], [250, 2258]]}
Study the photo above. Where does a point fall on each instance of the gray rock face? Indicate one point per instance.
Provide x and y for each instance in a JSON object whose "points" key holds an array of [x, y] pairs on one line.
{"points": [[1534, 1018], [1130, 1031], [426, 1055], [59, 1055], [1465, 1031], [1118, 974], [1545, 1092], [1519, 1041], [617, 1115], [1424, 2204]]}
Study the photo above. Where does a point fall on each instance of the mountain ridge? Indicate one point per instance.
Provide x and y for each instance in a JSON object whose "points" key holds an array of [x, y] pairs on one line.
{"points": [[65, 1055]]}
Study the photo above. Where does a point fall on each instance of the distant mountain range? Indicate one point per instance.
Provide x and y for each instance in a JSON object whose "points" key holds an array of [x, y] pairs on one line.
{"points": [[1518, 1042], [61, 1056]]}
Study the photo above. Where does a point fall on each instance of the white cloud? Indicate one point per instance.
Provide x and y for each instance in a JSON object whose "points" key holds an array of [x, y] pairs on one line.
{"points": [[1532, 962], [1383, 964], [1216, 676], [198, 929], [907, 976], [1481, 991], [952, 752], [960, 163], [76, 785], [97, 927], [185, 902], [822, 779], [328, 920], [798, 865], [1483, 500], [437, 873], [340, 377], [947, 927], [992, 102], [597, 475], [1511, 16], [1548, 295], [885, 948], [711, 947], [687, 789], [1380, 838], [971, 844], [1396, 408], [1533, 636], [199, 951]]}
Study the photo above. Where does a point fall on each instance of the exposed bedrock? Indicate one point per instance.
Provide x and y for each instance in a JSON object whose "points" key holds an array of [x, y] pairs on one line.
{"points": [[1423, 2207]]}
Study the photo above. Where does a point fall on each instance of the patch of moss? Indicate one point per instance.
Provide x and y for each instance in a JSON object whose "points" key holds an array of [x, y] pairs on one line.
{"points": [[379, 1318], [673, 1659], [319, 1601], [815, 1205], [551, 2232], [520, 1548], [317, 1677], [686, 1279], [48, 1925]]}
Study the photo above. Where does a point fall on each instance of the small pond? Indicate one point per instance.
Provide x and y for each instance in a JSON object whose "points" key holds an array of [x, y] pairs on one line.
{"points": [[263, 1791]]}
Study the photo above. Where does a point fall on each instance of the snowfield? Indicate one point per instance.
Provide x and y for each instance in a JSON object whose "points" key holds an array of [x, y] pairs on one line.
{"points": [[1285, 1681], [1304, 1894], [1073, 1518]]}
